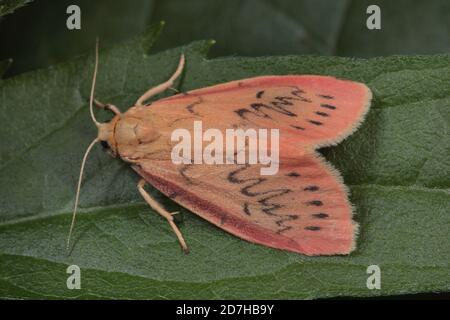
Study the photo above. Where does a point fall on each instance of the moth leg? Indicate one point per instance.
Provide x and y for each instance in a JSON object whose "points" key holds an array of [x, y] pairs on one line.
{"points": [[163, 86], [107, 106], [158, 208]]}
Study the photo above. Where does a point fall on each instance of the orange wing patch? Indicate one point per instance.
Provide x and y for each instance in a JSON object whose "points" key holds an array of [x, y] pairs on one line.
{"points": [[311, 110], [304, 207]]}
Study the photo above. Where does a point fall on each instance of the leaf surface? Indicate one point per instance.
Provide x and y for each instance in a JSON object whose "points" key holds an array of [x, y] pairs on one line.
{"points": [[396, 165]]}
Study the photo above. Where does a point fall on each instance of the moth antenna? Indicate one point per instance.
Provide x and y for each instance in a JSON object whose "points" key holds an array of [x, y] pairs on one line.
{"points": [[91, 110], [78, 190], [94, 79]]}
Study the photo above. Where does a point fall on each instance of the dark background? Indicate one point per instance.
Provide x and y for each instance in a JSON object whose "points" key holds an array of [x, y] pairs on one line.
{"points": [[36, 36]]}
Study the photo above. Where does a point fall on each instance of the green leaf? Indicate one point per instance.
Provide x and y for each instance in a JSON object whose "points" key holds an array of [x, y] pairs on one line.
{"points": [[9, 6], [407, 27], [396, 165]]}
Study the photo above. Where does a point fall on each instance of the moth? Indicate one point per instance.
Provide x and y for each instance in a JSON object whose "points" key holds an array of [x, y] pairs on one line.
{"points": [[303, 207]]}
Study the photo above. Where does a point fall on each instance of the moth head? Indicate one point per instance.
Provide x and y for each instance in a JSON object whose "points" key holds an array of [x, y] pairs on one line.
{"points": [[106, 135]]}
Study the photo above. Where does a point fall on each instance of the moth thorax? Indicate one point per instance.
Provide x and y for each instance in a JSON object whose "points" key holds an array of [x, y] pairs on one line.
{"points": [[131, 131]]}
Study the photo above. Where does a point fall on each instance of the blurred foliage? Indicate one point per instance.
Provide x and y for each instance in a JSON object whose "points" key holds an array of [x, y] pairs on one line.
{"points": [[36, 35], [9, 6]]}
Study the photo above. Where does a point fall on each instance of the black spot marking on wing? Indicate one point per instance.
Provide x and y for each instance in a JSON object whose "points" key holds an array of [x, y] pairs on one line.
{"points": [[328, 106], [293, 174], [316, 203], [316, 123], [320, 215], [190, 107], [325, 96], [322, 114], [298, 127]]}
